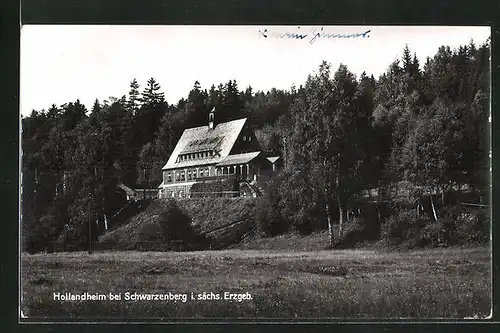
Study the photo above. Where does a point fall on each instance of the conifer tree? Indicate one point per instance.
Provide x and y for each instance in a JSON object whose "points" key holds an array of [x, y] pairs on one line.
{"points": [[151, 95], [196, 106], [133, 96]]}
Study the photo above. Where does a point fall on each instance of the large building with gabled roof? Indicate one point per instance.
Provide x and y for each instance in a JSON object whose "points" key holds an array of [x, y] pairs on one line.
{"points": [[213, 152]]}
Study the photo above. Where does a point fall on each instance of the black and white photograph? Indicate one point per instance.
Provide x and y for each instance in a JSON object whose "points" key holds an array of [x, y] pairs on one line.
{"points": [[188, 172]]}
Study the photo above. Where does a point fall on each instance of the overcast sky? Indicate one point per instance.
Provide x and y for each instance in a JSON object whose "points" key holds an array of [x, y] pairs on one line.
{"points": [[61, 63]]}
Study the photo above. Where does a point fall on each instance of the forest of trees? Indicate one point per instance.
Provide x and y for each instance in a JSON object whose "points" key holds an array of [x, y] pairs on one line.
{"points": [[424, 125]]}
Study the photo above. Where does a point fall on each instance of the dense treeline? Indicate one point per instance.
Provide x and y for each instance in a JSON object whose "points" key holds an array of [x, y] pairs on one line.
{"points": [[339, 136], [418, 132]]}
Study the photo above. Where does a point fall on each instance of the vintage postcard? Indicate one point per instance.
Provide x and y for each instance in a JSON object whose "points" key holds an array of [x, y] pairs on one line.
{"points": [[178, 173]]}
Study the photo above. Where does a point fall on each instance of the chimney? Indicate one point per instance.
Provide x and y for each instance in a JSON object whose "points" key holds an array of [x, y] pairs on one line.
{"points": [[211, 119]]}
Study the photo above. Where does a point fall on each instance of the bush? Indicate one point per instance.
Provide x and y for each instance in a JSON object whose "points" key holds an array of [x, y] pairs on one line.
{"points": [[268, 213], [176, 229], [433, 234], [39, 233], [34, 235], [455, 226], [473, 228], [355, 232], [149, 232], [268, 218], [175, 223], [466, 226], [404, 227], [74, 236]]}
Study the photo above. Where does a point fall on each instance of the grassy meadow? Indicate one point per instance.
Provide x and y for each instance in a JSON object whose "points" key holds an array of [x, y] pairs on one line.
{"points": [[437, 283]]}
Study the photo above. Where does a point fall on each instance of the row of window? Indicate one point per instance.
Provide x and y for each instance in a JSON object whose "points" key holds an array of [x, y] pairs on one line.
{"points": [[247, 138], [195, 156], [180, 176]]}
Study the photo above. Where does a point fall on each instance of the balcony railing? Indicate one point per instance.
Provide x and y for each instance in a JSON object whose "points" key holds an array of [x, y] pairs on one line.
{"points": [[221, 177]]}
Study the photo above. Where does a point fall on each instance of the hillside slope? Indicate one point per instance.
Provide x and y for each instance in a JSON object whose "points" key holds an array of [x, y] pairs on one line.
{"points": [[223, 221]]}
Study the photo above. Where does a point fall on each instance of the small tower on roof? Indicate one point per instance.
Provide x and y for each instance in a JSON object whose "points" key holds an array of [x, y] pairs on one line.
{"points": [[211, 119]]}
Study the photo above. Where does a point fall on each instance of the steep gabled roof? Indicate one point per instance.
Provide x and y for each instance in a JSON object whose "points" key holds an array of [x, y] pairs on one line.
{"points": [[273, 159], [221, 139]]}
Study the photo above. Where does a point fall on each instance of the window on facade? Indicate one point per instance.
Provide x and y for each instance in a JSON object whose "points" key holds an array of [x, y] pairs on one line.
{"points": [[169, 177], [177, 176], [249, 138], [201, 173], [189, 175], [208, 172]]}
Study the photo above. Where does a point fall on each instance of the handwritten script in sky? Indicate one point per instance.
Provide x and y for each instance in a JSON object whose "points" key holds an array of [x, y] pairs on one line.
{"points": [[313, 35]]}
